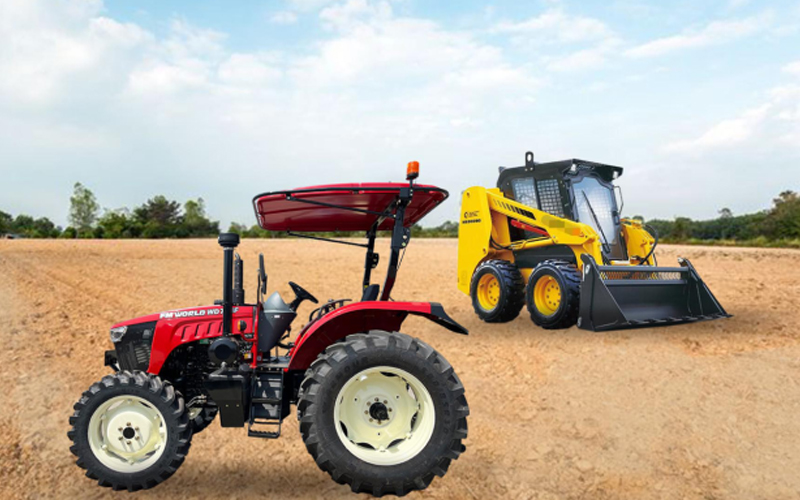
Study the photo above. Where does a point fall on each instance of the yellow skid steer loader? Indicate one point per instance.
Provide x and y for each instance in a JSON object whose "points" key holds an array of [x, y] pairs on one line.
{"points": [[550, 236]]}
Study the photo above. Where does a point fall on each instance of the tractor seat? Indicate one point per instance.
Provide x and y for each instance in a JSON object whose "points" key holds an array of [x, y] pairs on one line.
{"points": [[370, 293]]}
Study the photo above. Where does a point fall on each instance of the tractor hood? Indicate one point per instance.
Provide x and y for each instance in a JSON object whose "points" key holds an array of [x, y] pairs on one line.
{"points": [[136, 321]]}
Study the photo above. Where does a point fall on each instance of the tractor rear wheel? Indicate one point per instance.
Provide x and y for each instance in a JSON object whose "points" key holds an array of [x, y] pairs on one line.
{"points": [[497, 291], [553, 294], [382, 412], [130, 431]]}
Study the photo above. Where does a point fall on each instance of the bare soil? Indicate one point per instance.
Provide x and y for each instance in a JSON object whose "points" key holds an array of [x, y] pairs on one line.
{"points": [[700, 411]]}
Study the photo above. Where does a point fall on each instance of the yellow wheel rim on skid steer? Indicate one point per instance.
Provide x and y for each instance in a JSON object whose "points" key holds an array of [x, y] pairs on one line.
{"points": [[488, 291], [547, 295]]}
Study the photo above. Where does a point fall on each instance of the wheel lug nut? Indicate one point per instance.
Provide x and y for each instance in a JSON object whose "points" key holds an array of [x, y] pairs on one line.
{"points": [[128, 424], [385, 402], [366, 412], [120, 438], [128, 442], [120, 429], [376, 399], [370, 420]]}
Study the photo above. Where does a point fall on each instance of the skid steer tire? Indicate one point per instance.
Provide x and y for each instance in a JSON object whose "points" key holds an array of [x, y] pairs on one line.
{"points": [[553, 294], [497, 291], [130, 431], [357, 382]]}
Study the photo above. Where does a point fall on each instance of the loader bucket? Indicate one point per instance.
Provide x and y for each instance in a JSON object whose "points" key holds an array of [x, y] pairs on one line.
{"points": [[614, 297]]}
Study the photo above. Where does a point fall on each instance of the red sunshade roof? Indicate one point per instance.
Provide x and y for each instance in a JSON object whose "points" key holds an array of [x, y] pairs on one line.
{"points": [[277, 212]]}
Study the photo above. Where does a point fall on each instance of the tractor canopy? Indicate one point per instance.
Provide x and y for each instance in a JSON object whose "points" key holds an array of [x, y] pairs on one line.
{"points": [[343, 207]]}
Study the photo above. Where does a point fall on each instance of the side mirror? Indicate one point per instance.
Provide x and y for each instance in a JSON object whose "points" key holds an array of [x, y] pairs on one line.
{"points": [[262, 275]]}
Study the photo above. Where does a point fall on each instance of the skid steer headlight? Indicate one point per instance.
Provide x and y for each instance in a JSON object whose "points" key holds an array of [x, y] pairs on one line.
{"points": [[117, 333]]}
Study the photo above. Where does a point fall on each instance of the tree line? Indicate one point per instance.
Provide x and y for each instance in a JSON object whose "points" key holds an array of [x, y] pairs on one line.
{"points": [[160, 217], [777, 226]]}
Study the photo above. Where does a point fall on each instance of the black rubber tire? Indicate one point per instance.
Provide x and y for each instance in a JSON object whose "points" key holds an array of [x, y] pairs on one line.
{"points": [[335, 366], [512, 291], [203, 419], [569, 280], [161, 395]]}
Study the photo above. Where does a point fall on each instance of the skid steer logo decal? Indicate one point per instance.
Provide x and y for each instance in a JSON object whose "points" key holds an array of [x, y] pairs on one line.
{"points": [[193, 313], [469, 218]]}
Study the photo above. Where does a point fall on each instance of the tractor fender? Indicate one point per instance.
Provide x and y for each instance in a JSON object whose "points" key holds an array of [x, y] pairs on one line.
{"points": [[360, 317]]}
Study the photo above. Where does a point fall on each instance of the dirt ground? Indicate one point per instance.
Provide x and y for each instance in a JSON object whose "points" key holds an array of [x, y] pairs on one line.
{"points": [[701, 411]]}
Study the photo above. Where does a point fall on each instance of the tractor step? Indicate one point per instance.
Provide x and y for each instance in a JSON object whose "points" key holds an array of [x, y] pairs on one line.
{"points": [[614, 297], [266, 405]]}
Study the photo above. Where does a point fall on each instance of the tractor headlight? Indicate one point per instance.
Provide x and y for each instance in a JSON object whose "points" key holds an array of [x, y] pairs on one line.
{"points": [[117, 333]]}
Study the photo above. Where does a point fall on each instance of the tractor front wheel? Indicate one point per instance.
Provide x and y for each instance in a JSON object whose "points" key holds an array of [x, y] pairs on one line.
{"points": [[553, 294], [382, 412], [130, 431], [497, 291]]}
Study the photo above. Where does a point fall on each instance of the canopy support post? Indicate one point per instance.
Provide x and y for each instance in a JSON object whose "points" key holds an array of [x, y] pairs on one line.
{"points": [[372, 258], [400, 238]]}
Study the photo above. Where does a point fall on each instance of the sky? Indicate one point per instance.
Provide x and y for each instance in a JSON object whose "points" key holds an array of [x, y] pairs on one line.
{"points": [[698, 101]]}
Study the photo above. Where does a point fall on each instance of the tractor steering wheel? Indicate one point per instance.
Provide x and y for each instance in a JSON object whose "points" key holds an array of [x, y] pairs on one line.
{"points": [[301, 294]]}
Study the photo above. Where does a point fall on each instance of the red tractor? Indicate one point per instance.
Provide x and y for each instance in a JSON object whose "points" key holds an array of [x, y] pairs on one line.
{"points": [[379, 410]]}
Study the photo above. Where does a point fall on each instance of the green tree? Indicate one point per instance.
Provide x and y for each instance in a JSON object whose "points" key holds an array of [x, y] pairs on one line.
{"points": [[83, 210], [117, 224], [783, 221], [158, 217], [6, 220], [195, 221]]}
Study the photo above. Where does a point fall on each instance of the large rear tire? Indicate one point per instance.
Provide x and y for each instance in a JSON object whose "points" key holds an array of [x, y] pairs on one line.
{"points": [[498, 291], [382, 412], [553, 294], [130, 431]]}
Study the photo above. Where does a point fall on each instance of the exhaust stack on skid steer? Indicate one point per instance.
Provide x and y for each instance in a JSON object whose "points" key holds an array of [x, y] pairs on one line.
{"points": [[551, 236]]}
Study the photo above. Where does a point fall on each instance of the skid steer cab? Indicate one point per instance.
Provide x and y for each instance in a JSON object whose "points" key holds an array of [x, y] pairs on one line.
{"points": [[551, 236], [378, 410]]}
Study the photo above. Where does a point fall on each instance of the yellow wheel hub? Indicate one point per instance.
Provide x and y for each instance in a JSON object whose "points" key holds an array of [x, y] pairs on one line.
{"points": [[488, 291], [547, 295]]}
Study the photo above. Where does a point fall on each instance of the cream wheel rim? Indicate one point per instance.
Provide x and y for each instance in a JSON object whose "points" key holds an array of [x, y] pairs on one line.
{"points": [[127, 434], [384, 415]]}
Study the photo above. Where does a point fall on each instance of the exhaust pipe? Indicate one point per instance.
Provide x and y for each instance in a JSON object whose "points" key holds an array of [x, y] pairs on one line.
{"points": [[228, 241], [614, 297]]}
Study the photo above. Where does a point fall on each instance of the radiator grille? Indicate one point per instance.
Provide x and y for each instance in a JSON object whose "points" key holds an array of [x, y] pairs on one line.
{"points": [[133, 351]]}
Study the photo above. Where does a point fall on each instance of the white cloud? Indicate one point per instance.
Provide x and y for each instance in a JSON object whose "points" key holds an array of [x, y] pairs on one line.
{"points": [[248, 69], [555, 30], [184, 109], [715, 33], [777, 120], [350, 14], [283, 17], [793, 68], [585, 59], [309, 5], [555, 26]]}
